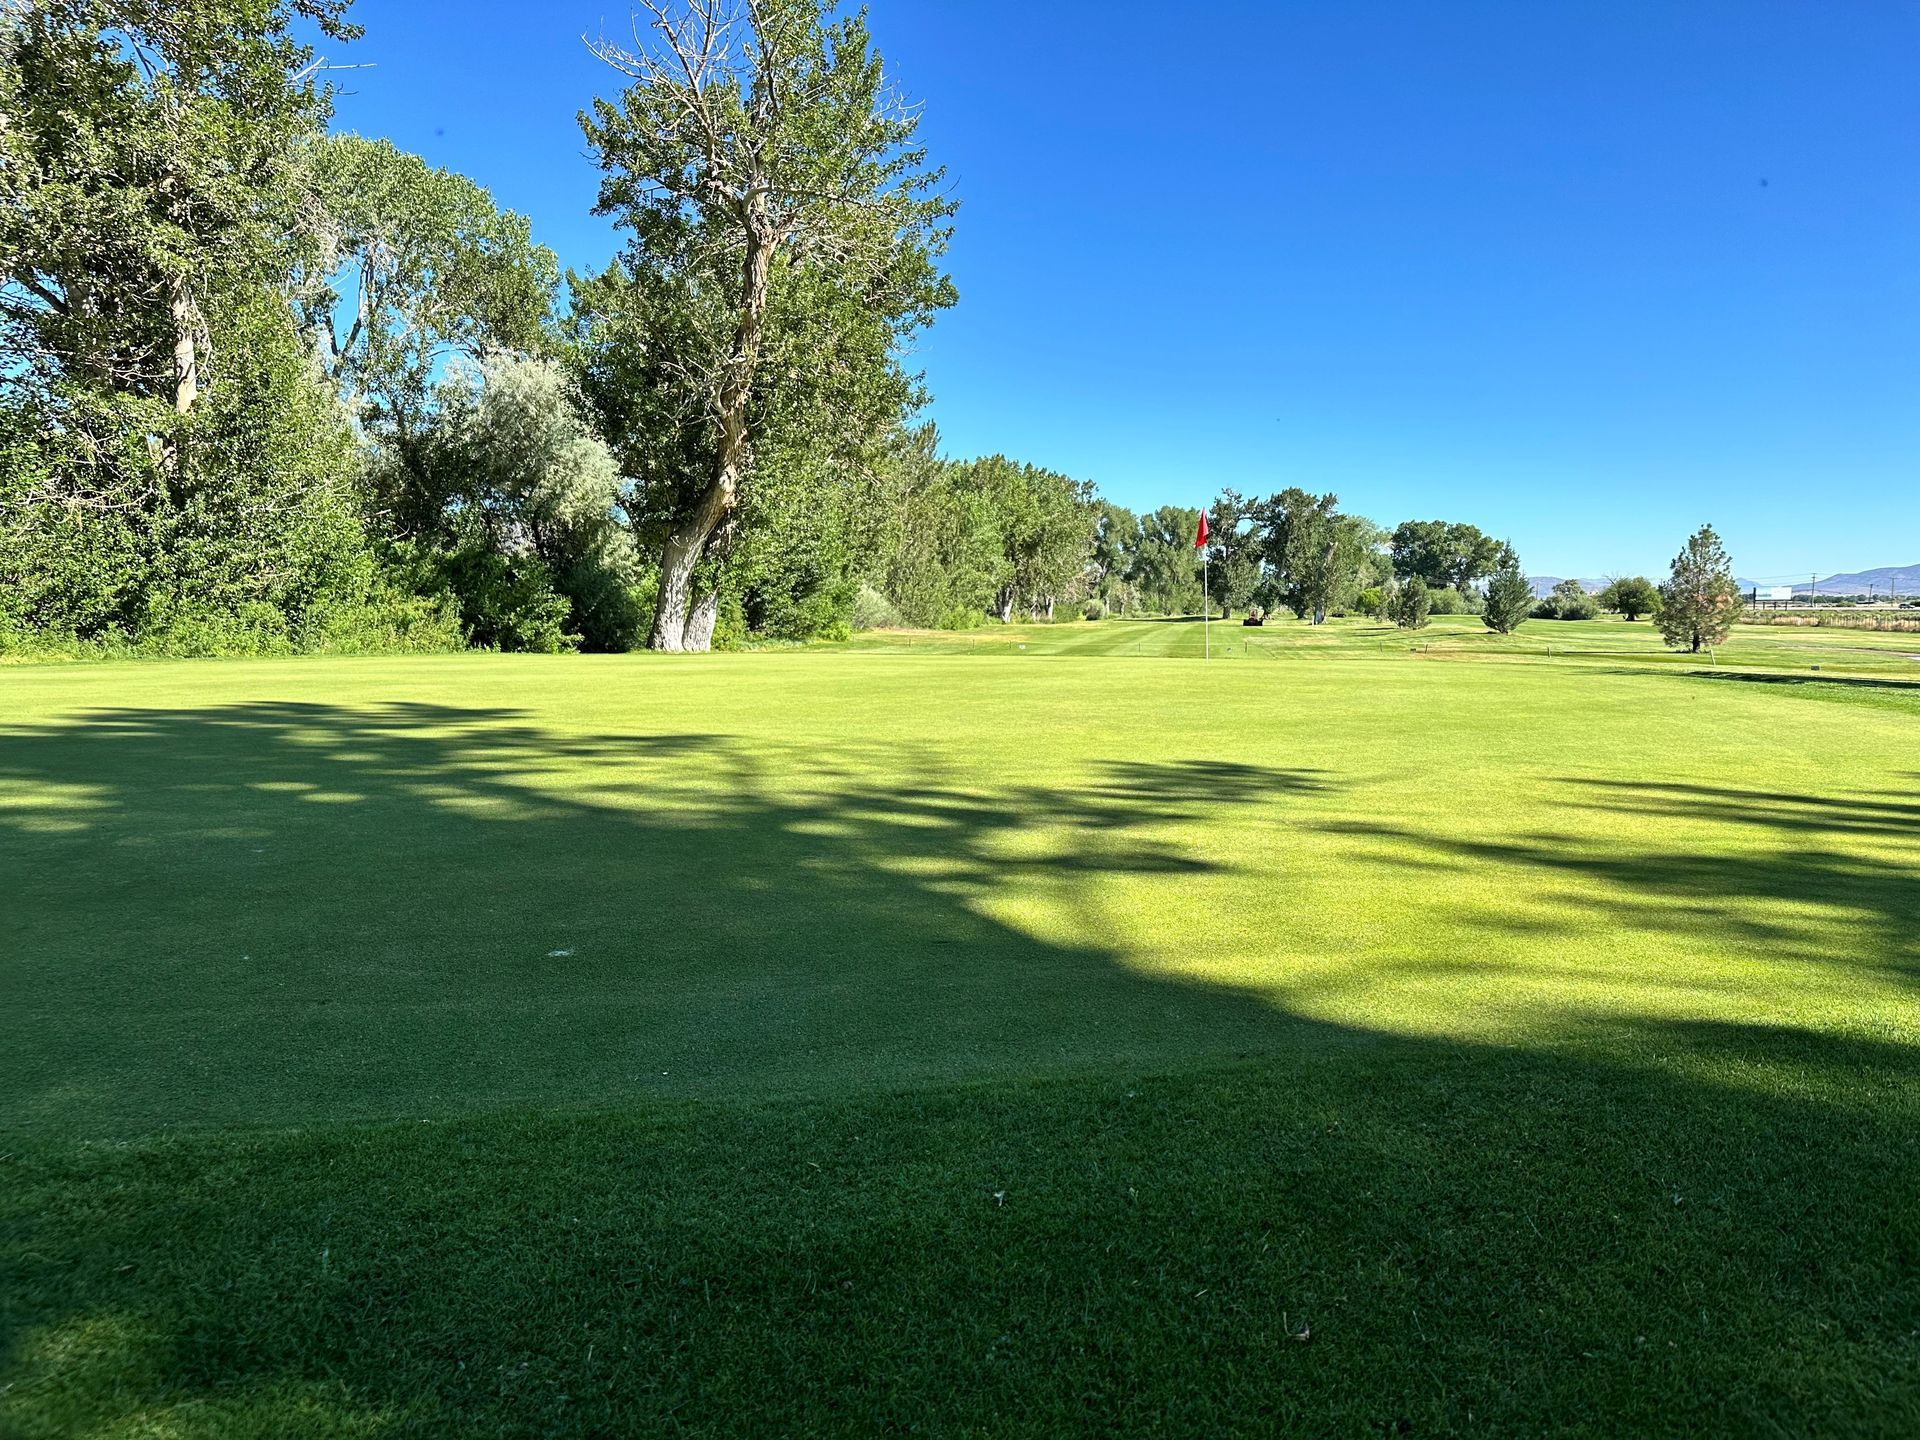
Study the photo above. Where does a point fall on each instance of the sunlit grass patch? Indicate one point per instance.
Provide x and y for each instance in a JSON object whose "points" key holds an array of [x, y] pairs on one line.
{"points": [[811, 1042]]}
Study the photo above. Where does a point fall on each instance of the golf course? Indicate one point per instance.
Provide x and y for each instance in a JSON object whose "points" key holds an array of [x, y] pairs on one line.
{"points": [[967, 1033]]}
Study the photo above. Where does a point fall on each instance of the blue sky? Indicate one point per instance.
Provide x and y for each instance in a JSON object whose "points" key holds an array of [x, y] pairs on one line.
{"points": [[1584, 274]]}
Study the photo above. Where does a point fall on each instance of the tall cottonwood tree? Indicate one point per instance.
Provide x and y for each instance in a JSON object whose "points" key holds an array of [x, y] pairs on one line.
{"points": [[1233, 558], [768, 174], [1313, 552], [1444, 554], [151, 173]]}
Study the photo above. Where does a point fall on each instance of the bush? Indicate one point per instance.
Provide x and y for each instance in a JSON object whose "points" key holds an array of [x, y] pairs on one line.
{"points": [[388, 622], [963, 617], [505, 602], [1448, 601], [1093, 610], [873, 611], [1370, 601], [1569, 601], [1408, 607]]}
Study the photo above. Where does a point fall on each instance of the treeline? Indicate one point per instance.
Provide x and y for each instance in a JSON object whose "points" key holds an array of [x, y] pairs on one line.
{"points": [[267, 387]]}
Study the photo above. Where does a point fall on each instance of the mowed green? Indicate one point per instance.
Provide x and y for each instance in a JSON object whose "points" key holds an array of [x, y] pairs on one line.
{"points": [[934, 1036]]}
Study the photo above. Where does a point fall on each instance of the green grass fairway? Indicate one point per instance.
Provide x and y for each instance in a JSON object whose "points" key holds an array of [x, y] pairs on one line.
{"points": [[1414, 1035], [1600, 643]]}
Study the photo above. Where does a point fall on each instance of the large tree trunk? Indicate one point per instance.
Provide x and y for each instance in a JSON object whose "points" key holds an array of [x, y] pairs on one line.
{"points": [[700, 622], [677, 619], [675, 606]]}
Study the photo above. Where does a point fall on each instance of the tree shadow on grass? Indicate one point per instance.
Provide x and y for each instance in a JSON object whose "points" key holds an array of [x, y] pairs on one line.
{"points": [[1852, 858], [282, 913], [1802, 679], [293, 915]]}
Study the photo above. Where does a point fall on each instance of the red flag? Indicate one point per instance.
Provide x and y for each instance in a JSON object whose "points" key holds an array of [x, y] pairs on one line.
{"points": [[1200, 540]]}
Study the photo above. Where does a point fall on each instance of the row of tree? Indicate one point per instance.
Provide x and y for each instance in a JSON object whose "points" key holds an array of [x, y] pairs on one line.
{"points": [[267, 386]]}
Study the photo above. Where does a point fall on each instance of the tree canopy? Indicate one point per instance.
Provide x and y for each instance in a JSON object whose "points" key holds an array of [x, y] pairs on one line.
{"points": [[780, 210], [1700, 600], [1631, 597]]}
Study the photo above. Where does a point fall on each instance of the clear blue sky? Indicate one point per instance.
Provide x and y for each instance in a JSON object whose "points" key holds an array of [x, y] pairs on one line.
{"points": [[1584, 274]]}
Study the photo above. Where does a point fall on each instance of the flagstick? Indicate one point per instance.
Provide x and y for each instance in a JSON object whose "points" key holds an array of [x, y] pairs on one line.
{"points": [[1206, 606]]}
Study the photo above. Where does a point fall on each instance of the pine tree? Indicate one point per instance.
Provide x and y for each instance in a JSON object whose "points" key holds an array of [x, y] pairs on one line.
{"points": [[1410, 604], [1509, 597], [1699, 602]]}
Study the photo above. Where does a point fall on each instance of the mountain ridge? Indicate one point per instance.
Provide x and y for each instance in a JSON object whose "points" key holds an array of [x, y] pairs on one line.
{"points": [[1902, 580]]}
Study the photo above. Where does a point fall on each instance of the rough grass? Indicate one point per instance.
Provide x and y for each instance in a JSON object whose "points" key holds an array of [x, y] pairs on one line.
{"points": [[946, 1043]]}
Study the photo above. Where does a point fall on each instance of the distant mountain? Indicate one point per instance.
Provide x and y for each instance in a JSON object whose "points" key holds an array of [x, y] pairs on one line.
{"points": [[1902, 580], [1888, 579], [1543, 585]]}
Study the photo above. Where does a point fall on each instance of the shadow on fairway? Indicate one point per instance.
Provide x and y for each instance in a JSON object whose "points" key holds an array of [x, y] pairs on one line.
{"points": [[287, 913], [1800, 678], [1853, 855], [300, 914]]}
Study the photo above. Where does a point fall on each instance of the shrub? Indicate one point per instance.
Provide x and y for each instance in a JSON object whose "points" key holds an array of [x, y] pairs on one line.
{"points": [[1409, 605], [387, 622], [1093, 610], [873, 611], [1445, 600], [963, 617], [1370, 601], [1569, 601]]}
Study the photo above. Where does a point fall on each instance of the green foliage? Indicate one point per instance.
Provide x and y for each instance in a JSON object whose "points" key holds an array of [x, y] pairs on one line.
{"points": [[418, 264], [1408, 604], [873, 611], [509, 502], [1093, 610], [1233, 551], [1370, 602], [1446, 554], [1630, 597], [1044, 522], [1165, 572], [1509, 597], [1569, 600], [1700, 601], [785, 231], [1314, 554], [230, 536], [1113, 557], [923, 537], [172, 477], [1448, 601]]}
